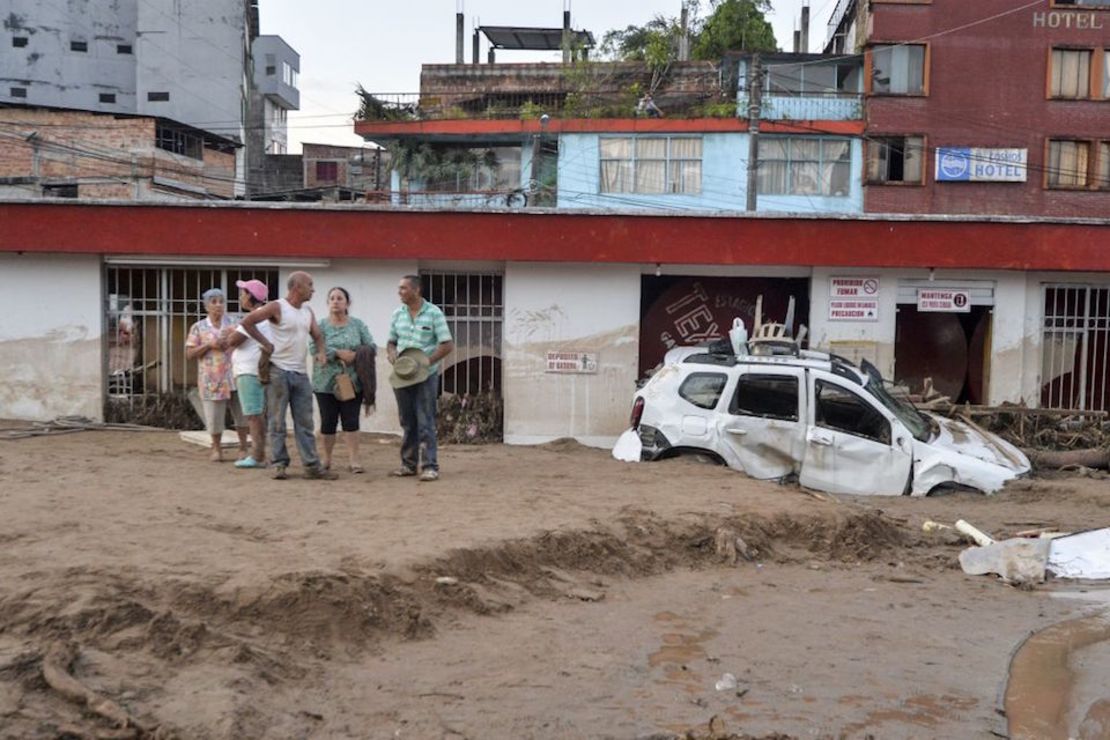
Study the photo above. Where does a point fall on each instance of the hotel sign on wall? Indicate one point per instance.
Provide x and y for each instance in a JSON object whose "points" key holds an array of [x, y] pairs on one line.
{"points": [[1070, 19], [975, 164]]}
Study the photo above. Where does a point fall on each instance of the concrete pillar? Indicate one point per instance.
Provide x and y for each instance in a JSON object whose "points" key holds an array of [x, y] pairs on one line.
{"points": [[805, 28], [459, 42]]}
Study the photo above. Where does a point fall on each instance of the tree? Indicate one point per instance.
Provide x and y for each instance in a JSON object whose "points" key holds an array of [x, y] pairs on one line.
{"points": [[735, 25], [732, 25]]}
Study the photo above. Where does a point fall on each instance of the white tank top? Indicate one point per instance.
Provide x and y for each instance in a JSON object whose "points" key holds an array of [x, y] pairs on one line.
{"points": [[290, 337]]}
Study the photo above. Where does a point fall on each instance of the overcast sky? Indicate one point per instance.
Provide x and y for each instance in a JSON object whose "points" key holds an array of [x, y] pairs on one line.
{"points": [[382, 44]]}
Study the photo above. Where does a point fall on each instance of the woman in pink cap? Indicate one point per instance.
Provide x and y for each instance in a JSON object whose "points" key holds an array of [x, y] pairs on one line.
{"points": [[244, 367]]}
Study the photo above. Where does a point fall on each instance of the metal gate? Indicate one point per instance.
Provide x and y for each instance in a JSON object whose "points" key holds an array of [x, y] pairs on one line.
{"points": [[149, 311], [474, 305], [1076, 347]]}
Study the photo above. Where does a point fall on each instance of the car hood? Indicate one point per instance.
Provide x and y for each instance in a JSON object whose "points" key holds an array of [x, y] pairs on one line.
{"points": [[958, 436], [964, 454]]}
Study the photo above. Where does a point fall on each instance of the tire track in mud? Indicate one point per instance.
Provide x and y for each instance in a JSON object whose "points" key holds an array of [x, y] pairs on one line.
{"points": [[276, 634]]}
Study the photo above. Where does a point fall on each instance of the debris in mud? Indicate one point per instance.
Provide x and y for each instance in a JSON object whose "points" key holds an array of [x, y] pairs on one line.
{"points": [[1024, 560], [55, 671]]}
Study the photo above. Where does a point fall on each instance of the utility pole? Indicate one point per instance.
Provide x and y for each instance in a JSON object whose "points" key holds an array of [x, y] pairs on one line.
{"points": [[755, 102]]}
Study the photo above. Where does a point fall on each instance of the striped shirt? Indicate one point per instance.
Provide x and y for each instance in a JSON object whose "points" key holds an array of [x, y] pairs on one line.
{"points": [[425, 332]]}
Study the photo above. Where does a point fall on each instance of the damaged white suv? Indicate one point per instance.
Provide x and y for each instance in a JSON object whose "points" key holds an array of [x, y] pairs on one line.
{"points": [[814, 416]]}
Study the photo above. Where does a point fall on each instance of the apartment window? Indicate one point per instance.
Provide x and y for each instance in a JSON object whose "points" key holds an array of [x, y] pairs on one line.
{"points": [[59, 191], [1103, 166], [1106, 75], [178, 141], [19, 41], [898, 69], [18, 92], [1068, 163], [1071, 73], [894, 159], [78, 46], [123, 48], [107, 97], [651, 164], [813, 79], [157, 97], [804, 166], [327, 172], [288, 74]]}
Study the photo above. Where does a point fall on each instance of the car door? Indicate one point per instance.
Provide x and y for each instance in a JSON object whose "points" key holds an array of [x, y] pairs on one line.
{"points": [[851, 444], [762, 425]]}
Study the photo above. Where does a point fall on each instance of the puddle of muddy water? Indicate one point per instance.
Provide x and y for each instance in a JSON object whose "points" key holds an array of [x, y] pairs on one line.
{"points": [[1059, 677]]}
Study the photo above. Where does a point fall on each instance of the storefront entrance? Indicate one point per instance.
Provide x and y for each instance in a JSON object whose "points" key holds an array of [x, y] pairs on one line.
{"points": [[680, 311], [948, 343]]}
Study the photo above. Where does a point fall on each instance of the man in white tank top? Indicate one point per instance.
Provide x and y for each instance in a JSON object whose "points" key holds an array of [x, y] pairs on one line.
{"points": [[291, 323]]}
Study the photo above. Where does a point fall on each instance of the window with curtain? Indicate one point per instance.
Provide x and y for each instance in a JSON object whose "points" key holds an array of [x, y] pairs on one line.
{"points": [[895, 159], [1071, 73], [898, 69], [1067, 164], [1106, 75], [1104, 165], [651, 164], [804, 166]]}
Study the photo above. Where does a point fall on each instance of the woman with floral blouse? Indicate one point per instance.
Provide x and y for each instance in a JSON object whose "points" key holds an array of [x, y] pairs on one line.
{"points": [[343, 335], [207, 344]]}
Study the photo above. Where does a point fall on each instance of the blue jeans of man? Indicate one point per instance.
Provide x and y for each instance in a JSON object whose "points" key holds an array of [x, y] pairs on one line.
{"points": [[290, 390], [416, 406]]}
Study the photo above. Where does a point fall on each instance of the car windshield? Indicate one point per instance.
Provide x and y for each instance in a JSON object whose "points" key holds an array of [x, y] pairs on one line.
{"points": [[918, 425]]}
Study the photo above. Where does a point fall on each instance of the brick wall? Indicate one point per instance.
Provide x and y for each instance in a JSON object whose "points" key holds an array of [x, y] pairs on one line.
{"points": [[987, 88], [447, 85], [104, 155]]}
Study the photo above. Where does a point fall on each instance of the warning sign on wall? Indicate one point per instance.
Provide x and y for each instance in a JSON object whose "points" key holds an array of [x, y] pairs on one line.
{"points": [[947, 300], [583, 363], [854, 299]]}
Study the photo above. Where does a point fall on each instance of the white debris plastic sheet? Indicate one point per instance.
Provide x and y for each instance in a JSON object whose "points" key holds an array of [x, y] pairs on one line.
{"points": [[1083, 555]]}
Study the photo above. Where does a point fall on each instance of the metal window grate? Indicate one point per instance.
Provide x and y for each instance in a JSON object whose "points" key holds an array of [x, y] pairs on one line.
{"points": [[1075, 351], [473, 304], [149, 311]]}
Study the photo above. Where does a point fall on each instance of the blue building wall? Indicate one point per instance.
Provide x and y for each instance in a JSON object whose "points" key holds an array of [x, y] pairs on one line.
{"points": [[724, 181]]}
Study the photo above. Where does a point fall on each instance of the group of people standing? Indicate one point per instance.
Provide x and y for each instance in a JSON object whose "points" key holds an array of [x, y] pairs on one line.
{"points": [[257, 369]]}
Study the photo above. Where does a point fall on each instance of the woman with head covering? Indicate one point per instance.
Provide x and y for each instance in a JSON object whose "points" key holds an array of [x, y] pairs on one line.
{"points": [[343, 336], [207, 344]]}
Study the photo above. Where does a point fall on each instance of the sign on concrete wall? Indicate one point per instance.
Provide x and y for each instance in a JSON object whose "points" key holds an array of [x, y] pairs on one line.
{"points": [[974, 164], [578, 363], [853, 298], [945, 300]]}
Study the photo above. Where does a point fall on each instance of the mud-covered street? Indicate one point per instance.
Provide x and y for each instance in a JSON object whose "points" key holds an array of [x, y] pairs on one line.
{"points": [[542, 592]]}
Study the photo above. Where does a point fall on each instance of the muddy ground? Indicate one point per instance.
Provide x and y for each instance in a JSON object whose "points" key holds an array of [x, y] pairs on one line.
{"points": [[545, 592]]}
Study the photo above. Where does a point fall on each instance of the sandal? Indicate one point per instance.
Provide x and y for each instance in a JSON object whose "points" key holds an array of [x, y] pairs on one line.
{"points": [[355, 469]]}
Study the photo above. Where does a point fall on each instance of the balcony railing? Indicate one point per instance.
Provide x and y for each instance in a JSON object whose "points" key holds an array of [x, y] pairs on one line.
{"points": [[515, 105], [808, 107]]}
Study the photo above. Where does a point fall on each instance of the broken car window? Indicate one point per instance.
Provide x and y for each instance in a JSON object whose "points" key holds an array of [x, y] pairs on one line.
{"points": [[766, 396], [840, 409], [703, 389]]}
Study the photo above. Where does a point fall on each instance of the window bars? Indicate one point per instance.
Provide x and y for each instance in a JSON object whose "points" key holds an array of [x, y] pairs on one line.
{"points": [[149, 311], [474, 305], [1075, 351]]}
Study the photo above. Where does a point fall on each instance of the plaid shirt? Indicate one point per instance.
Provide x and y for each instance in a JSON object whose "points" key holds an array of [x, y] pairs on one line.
{"points": [[426, 332]]}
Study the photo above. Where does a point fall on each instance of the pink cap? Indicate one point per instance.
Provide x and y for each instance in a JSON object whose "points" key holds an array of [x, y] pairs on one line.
{"points": [[256, 288]]}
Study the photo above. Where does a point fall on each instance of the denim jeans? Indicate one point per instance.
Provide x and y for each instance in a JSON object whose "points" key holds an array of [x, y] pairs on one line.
{"points": [[416, 405], [291, 390]]}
